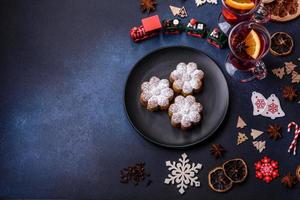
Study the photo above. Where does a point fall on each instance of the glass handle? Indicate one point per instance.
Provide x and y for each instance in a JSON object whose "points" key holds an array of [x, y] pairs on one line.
{"points": [[261, 15], [259, 72]]}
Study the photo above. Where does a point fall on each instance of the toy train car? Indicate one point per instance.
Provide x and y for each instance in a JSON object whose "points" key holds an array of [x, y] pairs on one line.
{"points": [[217, 38], [172, 26], [196, 28], [150, 27], [138, 34]]}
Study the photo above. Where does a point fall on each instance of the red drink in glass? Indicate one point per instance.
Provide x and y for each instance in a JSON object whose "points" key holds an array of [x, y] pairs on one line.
{"points": [[232, 14], [245, 58]]}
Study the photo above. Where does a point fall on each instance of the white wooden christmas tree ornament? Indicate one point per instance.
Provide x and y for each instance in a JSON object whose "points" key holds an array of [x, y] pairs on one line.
{"points": [[241, 138], [240, 123], [259, 145], [255, 133]]}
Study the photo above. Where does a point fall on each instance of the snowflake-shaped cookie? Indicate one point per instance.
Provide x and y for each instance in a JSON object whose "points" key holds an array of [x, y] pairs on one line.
{"points": [[183, 174], [187, 79], [156, 94], [185, 112]]}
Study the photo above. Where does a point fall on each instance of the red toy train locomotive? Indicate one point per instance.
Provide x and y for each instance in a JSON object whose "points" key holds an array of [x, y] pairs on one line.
{"points": [[150, 27]]}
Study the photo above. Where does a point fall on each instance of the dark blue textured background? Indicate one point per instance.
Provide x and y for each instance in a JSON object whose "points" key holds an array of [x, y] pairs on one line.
{"points": [[63, 129]]}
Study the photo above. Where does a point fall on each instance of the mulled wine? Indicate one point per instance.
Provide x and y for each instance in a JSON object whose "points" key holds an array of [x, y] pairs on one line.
{"points": [[235, 11], [249, 42]]}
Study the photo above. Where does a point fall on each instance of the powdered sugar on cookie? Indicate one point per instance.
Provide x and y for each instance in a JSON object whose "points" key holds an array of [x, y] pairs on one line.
{"points": [[156, 94], [185, 112], [187, 79]]}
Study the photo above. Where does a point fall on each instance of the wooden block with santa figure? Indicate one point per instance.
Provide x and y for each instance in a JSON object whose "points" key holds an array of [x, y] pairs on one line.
{"points": [[217, 38]]}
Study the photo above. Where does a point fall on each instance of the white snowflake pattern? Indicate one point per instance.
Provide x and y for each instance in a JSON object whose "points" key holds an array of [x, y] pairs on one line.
{"points": [[183, 173], [201, 2], [212, 1]]}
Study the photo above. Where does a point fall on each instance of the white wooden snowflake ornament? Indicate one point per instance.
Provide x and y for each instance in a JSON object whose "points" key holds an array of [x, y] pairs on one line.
{"points": [[183, 173], [201, 2], [212, 1]]}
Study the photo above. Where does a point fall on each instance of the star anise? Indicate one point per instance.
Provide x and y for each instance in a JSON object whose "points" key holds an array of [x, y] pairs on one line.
{"points": [[289, 93], [274, 131], [289, 180], [217, 150], [240, 47], [134, 174], [148, 5]]}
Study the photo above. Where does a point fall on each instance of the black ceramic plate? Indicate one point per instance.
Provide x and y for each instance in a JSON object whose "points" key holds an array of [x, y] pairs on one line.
{"points": [[156, 126]]}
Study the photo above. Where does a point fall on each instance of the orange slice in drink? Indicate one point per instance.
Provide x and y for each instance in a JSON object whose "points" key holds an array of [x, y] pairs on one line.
{"points": [[253, 44], [240, 4]]}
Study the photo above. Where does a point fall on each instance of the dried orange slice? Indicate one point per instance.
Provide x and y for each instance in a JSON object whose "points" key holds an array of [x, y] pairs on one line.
{"points": [[236, 170], [298, 173], [253, 44], [281, 44], [240, 4], [218, 181], [284, 10]]}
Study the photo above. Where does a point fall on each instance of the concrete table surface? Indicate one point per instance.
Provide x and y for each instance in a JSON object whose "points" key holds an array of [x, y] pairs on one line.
{"points": [[63, 129]]}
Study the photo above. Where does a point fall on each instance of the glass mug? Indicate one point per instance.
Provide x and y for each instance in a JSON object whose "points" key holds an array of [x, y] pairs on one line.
{"points": [[231, 16], [249, 42]]}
